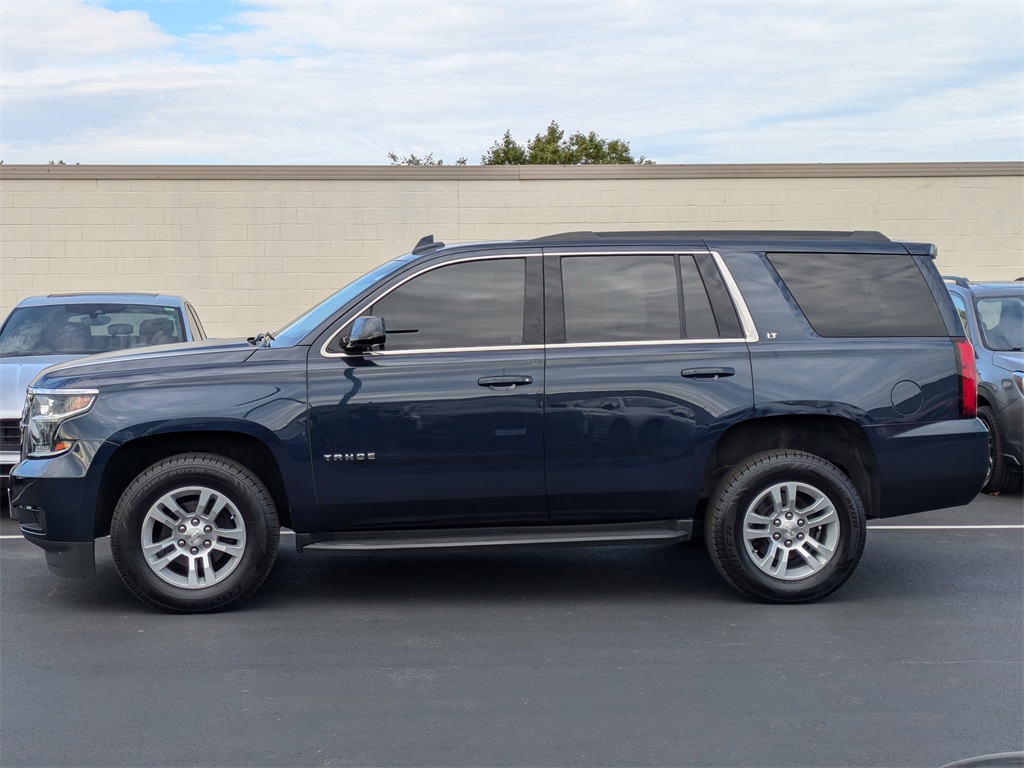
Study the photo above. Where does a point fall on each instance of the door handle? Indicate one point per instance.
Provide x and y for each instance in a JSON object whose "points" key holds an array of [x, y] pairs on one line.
{"points": [[504, 382], [710, 374]]}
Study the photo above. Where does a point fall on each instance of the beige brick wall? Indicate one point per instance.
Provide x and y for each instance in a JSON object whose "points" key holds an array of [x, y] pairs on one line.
{"points": [[253, 247]]}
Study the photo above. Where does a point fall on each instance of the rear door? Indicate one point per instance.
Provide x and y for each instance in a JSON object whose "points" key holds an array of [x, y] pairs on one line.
{"points": [[647, 363]]}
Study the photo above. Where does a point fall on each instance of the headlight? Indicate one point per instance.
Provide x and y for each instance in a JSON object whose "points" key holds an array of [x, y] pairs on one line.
{"points": [[45, 412], [1018, 379]]}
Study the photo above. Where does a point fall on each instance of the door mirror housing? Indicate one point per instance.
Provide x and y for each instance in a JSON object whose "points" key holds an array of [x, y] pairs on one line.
{"points": [[367, 331]]}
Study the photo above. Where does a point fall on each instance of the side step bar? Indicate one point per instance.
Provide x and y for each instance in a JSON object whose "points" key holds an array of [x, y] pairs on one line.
{"points": [[354, 542]]}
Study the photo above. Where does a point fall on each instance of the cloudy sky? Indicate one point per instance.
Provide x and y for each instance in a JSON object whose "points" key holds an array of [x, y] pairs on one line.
{"points": [[346, 82]]}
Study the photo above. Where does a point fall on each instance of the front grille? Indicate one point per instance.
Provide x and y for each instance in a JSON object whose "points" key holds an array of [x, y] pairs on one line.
{"points": [[10, 435]]}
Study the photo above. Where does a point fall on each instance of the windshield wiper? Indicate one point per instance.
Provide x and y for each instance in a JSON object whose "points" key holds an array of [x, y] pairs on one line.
{"points": [[261, 339]]}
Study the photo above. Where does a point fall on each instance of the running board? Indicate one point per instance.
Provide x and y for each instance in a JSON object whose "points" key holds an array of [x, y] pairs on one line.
{"points": [[648, 532]]}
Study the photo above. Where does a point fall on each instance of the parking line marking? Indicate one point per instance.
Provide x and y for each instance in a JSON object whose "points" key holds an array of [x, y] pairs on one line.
{"points": [[942, 527]]}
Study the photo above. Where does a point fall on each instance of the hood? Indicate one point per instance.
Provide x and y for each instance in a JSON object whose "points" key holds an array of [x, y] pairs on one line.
{"points": [[145, 364], [148, 360], [16, 373]]}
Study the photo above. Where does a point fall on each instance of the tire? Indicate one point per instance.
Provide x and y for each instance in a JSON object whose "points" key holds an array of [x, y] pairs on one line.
{"points": [[1000, 478], [808, 504], [194, 533]]}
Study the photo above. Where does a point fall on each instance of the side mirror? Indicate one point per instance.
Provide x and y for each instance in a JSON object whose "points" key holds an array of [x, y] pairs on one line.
{"points": [[367, 331]]}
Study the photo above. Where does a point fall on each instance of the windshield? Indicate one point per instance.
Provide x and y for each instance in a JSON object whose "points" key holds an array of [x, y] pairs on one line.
{"points": [[1002, 322], [88, 329], [307, 322]]}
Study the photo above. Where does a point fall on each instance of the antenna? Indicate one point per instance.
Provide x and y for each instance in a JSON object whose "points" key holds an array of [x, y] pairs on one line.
{"points": [[427, 244]]}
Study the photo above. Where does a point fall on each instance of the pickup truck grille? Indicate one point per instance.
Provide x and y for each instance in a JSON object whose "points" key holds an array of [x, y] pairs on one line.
{"points": [[10, 435]]}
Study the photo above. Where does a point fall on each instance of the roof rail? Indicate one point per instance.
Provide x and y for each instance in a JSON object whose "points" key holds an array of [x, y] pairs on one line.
{"points": [[963, 282], [427, 244], [719, 234]]}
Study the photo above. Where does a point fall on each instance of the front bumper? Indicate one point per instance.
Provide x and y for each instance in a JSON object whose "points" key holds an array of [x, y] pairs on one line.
{"points": [[73, 559], [53, 500]]}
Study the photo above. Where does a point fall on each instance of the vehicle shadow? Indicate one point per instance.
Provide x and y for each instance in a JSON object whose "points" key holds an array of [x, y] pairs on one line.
{"points": [[556, 574], [897, 567]]}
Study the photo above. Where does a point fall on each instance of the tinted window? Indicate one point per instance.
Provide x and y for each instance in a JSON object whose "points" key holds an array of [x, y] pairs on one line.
{"points": [[700, 320], [472, 304], [620, 298], [635, 298], [844, 295]]}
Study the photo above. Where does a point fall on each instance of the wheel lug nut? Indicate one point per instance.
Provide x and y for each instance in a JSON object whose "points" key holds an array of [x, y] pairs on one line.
{"points": [[207, 543], [194, 550], [776, 536], [182, 528], [207, 529], [195, 521], [789, 543], [800, 536], [801, 521], [789, 515], [776, 521], [181, 542]]}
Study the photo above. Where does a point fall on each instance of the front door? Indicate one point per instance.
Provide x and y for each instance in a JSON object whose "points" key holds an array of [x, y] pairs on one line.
{"points": [[443, 425]]}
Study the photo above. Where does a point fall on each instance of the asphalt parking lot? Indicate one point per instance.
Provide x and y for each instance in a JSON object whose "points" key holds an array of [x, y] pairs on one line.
{"points": [[606, 657]]}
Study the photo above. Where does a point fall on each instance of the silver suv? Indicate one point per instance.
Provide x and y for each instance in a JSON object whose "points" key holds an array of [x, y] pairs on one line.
{"points": [[993, 317]]}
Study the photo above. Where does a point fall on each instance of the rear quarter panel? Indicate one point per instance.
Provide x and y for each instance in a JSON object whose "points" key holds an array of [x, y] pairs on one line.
{"points": [[903, 392]]}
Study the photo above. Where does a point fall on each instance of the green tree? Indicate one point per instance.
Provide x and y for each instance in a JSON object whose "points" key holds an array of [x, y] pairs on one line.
{"points": [[425, 160], [506, 152], [552, 148]]}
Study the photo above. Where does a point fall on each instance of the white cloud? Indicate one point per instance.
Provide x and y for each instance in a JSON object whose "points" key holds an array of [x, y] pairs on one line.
{"points": [[324, 82]]}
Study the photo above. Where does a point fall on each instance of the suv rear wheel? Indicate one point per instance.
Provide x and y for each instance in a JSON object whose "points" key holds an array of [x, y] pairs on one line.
{"points": [[785, 526], [194, 533]]}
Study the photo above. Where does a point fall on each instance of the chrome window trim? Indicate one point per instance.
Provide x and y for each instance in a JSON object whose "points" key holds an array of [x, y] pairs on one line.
{"points": [[429, 268], [748, 328], [639, 251], [750, 334], [661, 343], [444, 350]]}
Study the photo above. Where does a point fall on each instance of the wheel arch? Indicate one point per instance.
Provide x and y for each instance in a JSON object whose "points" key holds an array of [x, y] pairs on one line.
{"points": [[132, 457], [840, 441]]}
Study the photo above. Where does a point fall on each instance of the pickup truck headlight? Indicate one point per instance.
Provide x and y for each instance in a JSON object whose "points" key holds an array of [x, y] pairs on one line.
{"points": [[46, 410], [1018, 379]]}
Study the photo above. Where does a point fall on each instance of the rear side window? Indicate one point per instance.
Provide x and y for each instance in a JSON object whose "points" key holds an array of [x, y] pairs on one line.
{"points": [[856, 294], [657, 297], [620, 298]]}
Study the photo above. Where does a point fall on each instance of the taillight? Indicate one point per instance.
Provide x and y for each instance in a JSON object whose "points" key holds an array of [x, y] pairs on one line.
{"points": [[967, 371]]}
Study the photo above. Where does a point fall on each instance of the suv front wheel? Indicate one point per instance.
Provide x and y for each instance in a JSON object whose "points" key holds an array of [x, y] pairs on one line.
{"points": [[785, 526], [194, 533]]}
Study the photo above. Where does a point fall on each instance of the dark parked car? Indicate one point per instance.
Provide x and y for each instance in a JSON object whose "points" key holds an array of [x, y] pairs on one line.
{"points": [[43, 330], [769, 391], [993, 318]]}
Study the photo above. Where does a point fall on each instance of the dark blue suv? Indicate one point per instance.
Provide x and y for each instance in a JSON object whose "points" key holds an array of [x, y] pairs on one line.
{"points": [[768, 391]]}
